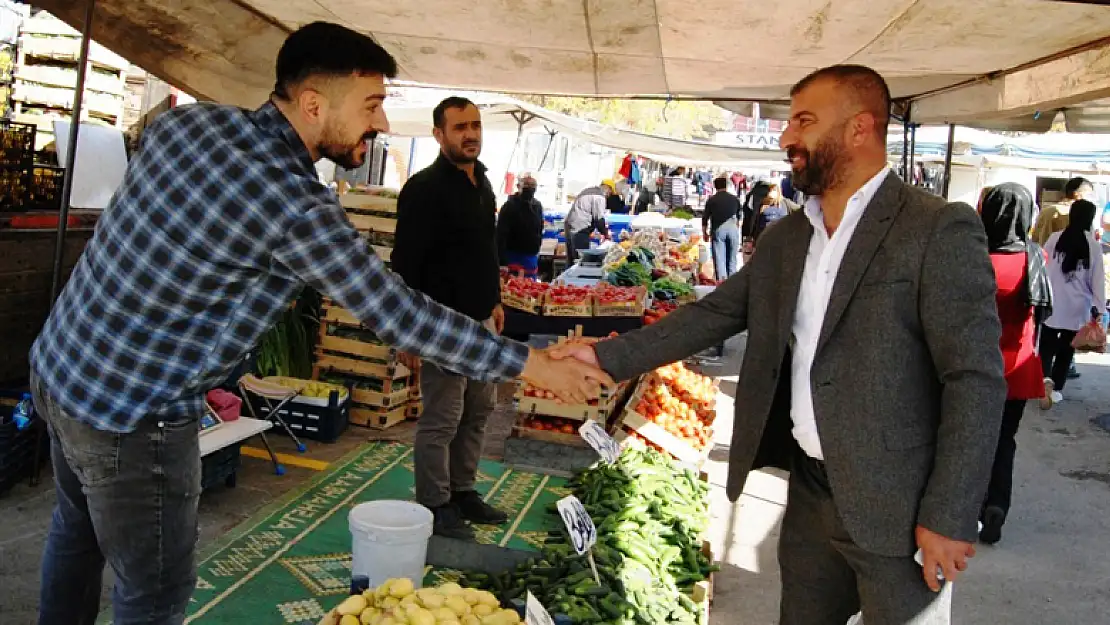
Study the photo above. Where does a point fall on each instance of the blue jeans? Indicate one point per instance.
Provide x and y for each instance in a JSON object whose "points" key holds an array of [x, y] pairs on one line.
{"points": [[128, 500], [726, 245]]}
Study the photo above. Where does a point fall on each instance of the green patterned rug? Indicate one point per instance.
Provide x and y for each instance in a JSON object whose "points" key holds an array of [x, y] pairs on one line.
{"points": [[292, 560]]}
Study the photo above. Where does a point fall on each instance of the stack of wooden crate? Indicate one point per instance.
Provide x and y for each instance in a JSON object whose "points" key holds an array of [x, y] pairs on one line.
{"points": [[46, 77], [384, 392], [374, 214]]}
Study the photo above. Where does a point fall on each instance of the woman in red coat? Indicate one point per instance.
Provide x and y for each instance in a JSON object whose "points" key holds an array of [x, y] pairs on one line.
{"points": [[1019, 267]]}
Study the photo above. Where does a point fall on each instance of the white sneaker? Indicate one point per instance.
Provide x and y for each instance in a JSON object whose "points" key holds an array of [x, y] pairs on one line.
{"points": [[1049, 391], [1057, 397]]}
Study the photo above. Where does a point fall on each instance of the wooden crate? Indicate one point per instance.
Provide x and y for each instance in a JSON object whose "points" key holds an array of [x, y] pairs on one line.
{"points": [[528, 305], [558, 438], [336, 314], [384, 253], [372, 223], [622, 309], [599, 412], [676, 447], [377, 419], [354, 347], [356, 200], [359, 368], [375, 399], [568, 310]]}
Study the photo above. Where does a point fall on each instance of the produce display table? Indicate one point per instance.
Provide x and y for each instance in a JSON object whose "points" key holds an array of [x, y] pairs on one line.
{"points": [[230, 433], [520, 325]]}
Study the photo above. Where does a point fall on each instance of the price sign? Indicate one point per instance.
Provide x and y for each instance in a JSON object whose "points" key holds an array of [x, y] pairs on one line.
{"points": [[580, 526], [599, 439], [534, 612]]}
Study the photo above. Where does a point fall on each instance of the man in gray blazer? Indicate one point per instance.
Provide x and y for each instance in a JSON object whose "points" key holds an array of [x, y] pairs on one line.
{"points": [[872, 370]]}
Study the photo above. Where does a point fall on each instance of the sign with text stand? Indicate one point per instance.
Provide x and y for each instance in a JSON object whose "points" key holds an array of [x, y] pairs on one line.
{"points": [[580, 527], [599, 439], [534, 612]]}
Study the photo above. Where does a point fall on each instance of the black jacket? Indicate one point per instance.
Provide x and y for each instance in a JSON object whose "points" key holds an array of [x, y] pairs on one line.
{"points": [[720, 209], [519, 227], [446, 243]]}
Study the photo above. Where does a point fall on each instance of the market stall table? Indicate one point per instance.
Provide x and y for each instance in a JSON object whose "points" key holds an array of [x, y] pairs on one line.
{"points": [[220, 446]]}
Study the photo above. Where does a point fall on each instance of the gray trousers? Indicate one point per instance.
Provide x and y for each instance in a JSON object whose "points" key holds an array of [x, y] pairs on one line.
{"points": [[827, 578], [449, 433]]}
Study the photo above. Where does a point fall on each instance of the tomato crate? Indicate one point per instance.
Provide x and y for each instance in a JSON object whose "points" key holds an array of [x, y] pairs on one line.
{"points": [[679, 449], [547, 436], [598, 411], [621, 309], [533, 305], [584, 309]]}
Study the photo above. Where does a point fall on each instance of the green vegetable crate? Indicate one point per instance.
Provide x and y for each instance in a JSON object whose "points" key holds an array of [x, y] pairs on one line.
{"points": [[374, 215], [384, 392]]}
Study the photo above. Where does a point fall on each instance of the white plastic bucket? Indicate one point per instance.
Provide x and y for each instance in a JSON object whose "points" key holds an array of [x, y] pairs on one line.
{"points": [[389, 539]]}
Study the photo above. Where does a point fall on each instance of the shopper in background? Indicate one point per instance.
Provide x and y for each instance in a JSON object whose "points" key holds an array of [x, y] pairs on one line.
{"points": [[768, 209], [872, 368], [676, 189], [720, 224], [1075, 271], [586, 216], [614, 203], [520, 229], [1023, 287], [1054, 217], [181, 280], [446, 247]]}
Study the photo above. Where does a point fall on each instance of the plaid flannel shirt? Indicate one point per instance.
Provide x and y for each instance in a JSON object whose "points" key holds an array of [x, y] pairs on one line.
{"points": [[219, 222]]}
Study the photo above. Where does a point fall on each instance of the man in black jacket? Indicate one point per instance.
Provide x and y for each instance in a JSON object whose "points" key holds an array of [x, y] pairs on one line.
{"points": [[446, 246], [520, 229], [720, 224]]}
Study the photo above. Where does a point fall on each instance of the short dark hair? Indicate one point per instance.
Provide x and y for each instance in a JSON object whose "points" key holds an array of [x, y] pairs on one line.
{"points": [[1077, 184], [452, 102], [720, 183], [331, 51], [865, 84]]}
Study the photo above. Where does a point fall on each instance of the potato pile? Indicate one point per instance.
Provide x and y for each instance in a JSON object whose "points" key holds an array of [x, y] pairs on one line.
{"points": [[396, 603]]}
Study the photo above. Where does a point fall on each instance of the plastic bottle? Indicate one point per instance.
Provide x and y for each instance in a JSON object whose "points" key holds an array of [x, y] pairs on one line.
{"points": [[22, 412]]}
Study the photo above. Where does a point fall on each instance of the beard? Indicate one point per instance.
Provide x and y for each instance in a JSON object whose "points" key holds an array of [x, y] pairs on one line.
{"points": [[822, 169], [457, 153], [341, 152]]}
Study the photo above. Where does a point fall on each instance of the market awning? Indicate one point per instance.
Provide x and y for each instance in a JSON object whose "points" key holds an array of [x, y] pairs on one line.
{"points": [[509, 114], [959, 60]]}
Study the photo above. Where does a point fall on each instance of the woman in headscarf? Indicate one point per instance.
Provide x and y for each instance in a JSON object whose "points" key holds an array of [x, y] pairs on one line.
{"points": [[1023, 288], [1076, 272]]}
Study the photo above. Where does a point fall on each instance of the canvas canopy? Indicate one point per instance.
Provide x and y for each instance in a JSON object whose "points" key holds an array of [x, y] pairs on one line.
{"points": [[507, 114], [957, 60]]}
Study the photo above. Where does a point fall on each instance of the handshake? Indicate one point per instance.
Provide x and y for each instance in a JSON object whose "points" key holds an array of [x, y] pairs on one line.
{"points": [[570, 370]]}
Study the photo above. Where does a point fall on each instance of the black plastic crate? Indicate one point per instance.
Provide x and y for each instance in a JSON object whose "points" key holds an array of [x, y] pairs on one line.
{"points": [[45, 189], [220, 467], [17, 145], [17, 447], [307, 420]]}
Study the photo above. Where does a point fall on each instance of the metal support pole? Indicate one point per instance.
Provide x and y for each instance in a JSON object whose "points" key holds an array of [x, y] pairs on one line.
{"points": [[550, 140], [913, 151], [521, 117], [412, 156], [948, 160], [71, 154], [906, 148]]}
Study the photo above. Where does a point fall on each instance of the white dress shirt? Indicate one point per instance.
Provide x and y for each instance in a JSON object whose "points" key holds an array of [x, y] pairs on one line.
{"points": [[822, 264]]}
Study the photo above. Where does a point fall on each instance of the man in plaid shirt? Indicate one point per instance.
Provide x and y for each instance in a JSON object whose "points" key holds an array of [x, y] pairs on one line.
{"points": [[220, 220]]}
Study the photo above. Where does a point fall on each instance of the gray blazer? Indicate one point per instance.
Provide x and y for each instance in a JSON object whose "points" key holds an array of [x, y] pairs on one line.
{"points": [[907, 382]]}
